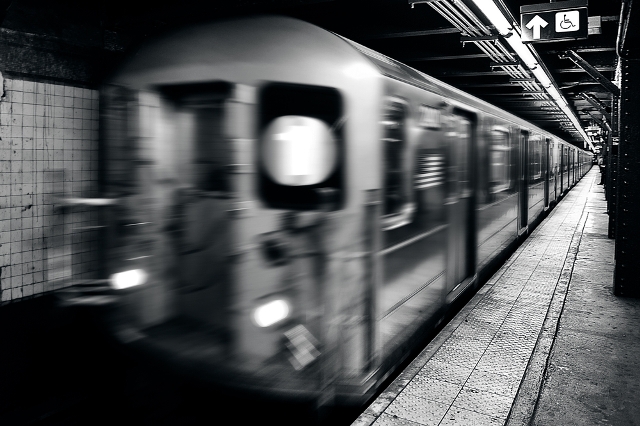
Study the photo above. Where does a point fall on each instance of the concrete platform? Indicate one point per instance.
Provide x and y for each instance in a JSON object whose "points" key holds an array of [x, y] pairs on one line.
{"points": [[545, 341]]}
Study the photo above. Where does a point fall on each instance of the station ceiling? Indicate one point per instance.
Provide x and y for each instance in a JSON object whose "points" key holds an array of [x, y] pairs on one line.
{"points": [[418, 36]]}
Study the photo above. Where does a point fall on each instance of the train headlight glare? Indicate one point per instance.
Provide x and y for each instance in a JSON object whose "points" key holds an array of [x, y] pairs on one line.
{"points": [[126, 279], [271, 313], [298, 150]]}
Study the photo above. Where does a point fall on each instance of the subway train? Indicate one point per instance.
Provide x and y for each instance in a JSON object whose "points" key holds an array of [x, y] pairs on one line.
{"points": [[286, 211]]}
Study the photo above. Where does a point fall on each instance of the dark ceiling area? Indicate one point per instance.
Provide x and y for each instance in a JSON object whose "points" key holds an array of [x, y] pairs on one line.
{"points": [[418, 36]]}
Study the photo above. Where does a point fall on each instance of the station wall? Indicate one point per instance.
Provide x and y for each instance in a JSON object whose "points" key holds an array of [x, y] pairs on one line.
{"points": [[48, 151]]}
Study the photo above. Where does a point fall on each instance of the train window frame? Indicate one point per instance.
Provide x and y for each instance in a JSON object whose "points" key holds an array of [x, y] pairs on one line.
{"points": [[552, 165], [505, 178], [463, 167], [535, 158], [403, 214], [459, 173]]}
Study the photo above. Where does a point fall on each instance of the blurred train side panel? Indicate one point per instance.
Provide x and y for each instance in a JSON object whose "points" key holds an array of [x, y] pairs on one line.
{"points": [[289, 209]]}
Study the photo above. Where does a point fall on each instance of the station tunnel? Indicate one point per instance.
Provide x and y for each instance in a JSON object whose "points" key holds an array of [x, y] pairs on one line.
{"points": [[319, 211]]}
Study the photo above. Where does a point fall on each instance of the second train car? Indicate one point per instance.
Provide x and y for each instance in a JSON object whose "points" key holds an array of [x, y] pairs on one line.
{"points": [[287, 209]]}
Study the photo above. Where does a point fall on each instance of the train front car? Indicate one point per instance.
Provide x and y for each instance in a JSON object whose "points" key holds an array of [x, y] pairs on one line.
{"points": [[242, 157]]}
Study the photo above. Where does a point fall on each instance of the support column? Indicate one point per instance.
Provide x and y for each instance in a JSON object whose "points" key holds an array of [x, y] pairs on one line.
{"points": [[627, 252], [611, 163]]}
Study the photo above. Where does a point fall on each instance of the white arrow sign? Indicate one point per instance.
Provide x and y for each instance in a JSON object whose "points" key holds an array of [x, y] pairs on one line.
{"points": [[536, 23]]}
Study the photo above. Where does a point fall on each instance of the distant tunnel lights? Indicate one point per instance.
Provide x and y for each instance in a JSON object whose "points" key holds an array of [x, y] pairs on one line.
{"points": [[509, 30]]}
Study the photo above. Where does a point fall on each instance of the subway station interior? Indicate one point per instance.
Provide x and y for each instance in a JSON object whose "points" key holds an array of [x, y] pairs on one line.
{"points": [[323, 212]]}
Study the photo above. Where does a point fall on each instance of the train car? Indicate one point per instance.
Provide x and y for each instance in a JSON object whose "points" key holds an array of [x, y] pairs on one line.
{"points": [[287, 211]]}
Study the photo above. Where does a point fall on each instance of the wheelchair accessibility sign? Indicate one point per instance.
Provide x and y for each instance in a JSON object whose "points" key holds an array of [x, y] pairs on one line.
{"points": [[565, 20]]}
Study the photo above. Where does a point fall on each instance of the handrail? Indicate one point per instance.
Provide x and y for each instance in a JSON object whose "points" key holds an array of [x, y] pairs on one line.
{"points": [[95, 202]]}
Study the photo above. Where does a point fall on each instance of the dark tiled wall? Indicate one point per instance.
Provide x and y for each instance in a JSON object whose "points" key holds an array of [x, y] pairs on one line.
{"points": [[48, 150]]}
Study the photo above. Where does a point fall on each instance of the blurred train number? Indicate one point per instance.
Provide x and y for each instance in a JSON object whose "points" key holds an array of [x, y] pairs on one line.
{"points": [[299, 151]]}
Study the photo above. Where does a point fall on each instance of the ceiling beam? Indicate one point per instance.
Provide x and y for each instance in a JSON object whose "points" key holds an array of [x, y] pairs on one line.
{"points": [[444, 58], [591, 70], [600, 68], [447, 73], [487, 85], [584, 82], [529, 103], [402, 34], [585, 50]]}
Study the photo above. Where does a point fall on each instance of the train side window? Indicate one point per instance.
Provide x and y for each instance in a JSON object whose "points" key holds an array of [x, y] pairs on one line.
{"points": [[398, 203], [499, 160], [535, 158], [211, 150], [552, 163], [462, 153]]}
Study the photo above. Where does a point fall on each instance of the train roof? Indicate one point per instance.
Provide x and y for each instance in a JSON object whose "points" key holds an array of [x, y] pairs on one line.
{"points": [[246, 51], [399, 71]]}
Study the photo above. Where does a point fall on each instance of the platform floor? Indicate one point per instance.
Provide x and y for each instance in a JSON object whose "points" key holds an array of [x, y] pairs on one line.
{"points": [[544, 342]]}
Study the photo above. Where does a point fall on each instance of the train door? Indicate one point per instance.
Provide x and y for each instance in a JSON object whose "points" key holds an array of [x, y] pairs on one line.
{"points": [[460, 259], [563, 165], [546, 158], [553, 169], [414, 222], [579, 158], [523, 189], [569, 164]]}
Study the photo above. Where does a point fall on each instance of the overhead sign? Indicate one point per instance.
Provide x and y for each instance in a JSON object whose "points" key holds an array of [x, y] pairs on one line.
{"points": [[563, 20]]}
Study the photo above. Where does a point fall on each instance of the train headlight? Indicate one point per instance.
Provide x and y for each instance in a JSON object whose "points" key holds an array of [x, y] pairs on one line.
{"points": [[298, 150], [271, 312], [126, 279]]}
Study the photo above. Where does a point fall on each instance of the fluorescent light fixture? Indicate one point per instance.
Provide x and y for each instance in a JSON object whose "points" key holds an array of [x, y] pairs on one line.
{"points": [[542, 77], [493, 14], [523, 51]]}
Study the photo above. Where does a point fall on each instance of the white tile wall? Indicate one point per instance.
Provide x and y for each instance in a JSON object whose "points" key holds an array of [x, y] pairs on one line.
{"points": [[48, 148]]}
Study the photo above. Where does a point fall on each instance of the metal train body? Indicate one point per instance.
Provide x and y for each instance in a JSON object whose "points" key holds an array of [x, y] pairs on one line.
{"points": [[256, 275]]}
